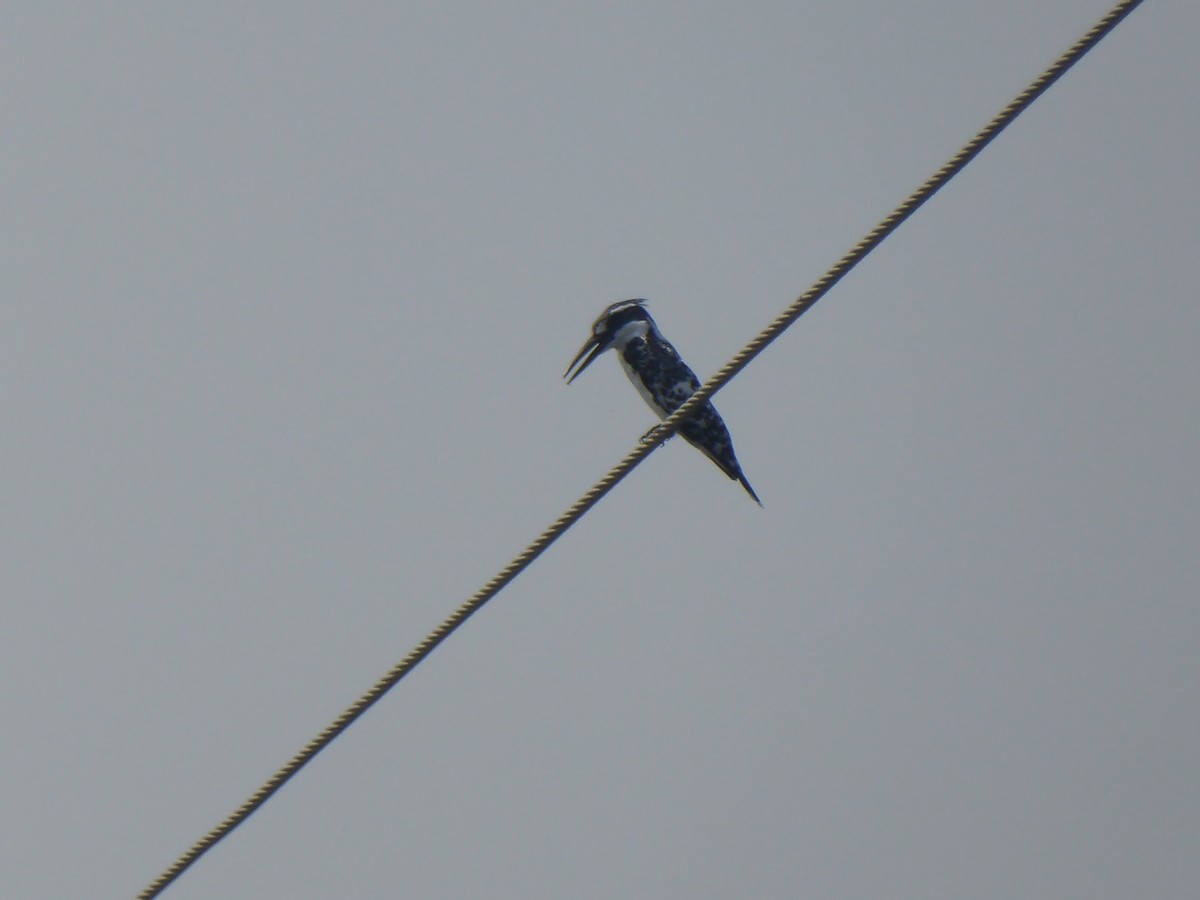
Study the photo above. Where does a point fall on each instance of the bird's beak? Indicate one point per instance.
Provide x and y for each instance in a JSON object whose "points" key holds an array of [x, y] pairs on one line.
{"points": [[596, 346]]}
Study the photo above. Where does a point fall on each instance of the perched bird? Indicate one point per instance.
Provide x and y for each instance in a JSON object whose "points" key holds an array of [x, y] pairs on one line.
{"points": [[661, 377]]}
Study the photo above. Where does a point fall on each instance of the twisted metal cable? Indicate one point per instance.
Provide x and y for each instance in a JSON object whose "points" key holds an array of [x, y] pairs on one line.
{"points": [[910, 205], [668, 427]]}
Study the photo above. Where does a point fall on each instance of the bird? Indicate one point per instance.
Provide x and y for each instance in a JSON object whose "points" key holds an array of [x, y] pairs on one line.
{"points": [[661, 377]]}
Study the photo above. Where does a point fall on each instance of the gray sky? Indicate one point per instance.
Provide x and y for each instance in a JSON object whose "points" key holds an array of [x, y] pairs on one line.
{"points": [[289, 289]]}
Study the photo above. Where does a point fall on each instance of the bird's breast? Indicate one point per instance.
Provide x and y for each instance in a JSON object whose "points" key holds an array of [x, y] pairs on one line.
{"points": [[637, 378]]}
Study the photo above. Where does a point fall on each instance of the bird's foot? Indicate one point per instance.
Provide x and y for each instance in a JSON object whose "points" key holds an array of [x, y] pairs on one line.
{"points": [[653, 437]]}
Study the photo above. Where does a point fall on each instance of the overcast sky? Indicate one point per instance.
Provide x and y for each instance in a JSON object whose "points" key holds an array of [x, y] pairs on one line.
{"points": [[288, 291]]}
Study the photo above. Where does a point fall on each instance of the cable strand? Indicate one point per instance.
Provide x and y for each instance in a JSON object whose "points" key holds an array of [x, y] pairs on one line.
{"points": [[644, 448]]}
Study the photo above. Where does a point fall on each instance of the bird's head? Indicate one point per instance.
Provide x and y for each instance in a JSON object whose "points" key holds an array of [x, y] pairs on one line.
{"points": [[618, 324]]}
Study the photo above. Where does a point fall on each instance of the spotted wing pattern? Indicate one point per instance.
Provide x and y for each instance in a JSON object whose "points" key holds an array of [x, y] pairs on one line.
{"points": [[667, 379]]}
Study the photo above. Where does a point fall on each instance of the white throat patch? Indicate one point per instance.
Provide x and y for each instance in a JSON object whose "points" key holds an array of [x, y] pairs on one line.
{"points": [[630, 330]]}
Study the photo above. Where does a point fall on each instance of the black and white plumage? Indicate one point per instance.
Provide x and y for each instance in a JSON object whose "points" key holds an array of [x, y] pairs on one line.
{"points": [[661, 377]]}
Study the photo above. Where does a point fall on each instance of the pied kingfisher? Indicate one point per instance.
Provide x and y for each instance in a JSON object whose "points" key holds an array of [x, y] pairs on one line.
{"points": [[661, 377]]}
